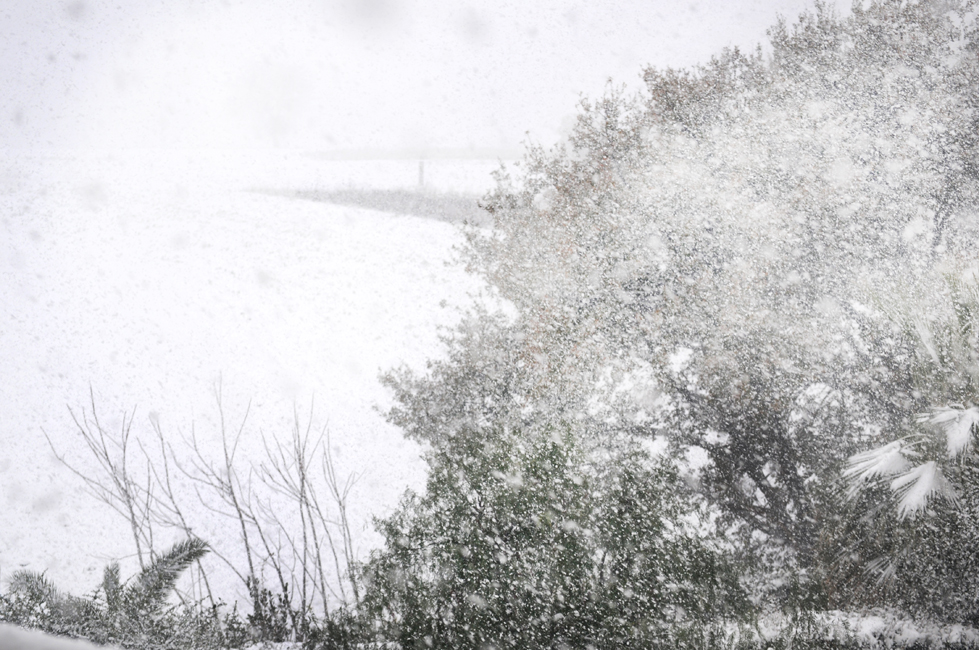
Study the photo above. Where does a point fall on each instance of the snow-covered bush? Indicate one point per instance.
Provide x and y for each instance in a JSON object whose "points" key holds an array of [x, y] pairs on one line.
{"points": [[523, 540], [135, 614]]}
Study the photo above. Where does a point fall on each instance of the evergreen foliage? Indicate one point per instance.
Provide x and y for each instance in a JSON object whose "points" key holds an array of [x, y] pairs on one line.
{"points": [[521, 541]]}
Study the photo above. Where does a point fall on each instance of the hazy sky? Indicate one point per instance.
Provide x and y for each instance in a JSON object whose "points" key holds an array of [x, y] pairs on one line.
{"points": [[338, 74]]}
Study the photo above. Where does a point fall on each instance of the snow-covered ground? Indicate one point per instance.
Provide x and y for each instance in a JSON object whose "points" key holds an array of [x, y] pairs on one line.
{"points": [[148, 277], [13, 638]]}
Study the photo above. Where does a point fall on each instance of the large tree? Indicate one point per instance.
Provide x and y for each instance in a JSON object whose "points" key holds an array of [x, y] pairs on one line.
{"points": [[721, 261], [737, 235]]}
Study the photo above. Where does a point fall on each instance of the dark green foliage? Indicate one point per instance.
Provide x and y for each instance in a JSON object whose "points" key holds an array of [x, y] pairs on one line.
{"points": [[524, 541], [275, 619], [341, 629], [234, 632]]}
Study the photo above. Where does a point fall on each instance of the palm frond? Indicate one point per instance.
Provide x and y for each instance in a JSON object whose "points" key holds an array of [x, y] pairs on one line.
{"points": [[918, 486], [959, 425], [883, 569], [150, 589], [870, 465], [33, 585]]}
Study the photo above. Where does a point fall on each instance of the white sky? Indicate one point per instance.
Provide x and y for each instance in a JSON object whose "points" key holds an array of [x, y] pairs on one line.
{"points": [[381, 75]]}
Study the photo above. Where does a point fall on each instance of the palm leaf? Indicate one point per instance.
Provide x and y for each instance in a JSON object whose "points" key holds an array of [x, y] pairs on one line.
{"points": [[870, 465], [918, 486], [959, 425], [35, 586], [150, 589]]}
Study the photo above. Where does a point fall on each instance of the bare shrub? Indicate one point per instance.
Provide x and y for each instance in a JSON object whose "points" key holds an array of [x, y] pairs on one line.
{"points": [[295, 552]]}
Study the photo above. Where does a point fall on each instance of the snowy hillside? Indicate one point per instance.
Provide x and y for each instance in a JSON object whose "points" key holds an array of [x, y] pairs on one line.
{"points": [[149, 278]]}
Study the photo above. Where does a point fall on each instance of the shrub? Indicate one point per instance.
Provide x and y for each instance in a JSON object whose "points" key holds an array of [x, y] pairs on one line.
{"points": [[525, 539], [135, 614]]}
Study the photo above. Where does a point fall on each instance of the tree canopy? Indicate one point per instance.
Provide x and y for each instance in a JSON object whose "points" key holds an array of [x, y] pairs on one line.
{"points": [[750, 263]]}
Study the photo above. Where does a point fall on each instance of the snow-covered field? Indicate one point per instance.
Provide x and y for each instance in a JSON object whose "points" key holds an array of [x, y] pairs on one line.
{"points": [[148, 277]]}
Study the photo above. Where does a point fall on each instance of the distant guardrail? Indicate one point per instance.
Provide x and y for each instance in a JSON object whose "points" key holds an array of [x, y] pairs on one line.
{"points": [[443, 206]]}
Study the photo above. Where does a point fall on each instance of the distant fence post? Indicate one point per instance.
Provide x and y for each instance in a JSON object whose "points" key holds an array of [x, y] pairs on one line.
{"points": [[421, 173]]}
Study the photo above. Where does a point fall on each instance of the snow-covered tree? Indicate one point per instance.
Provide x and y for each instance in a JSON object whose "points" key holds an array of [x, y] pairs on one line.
{"points": [[717, 261], [723, 240]]}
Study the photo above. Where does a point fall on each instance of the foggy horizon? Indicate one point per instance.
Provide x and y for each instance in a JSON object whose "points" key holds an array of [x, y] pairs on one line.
{"points": [[392, 77]]}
